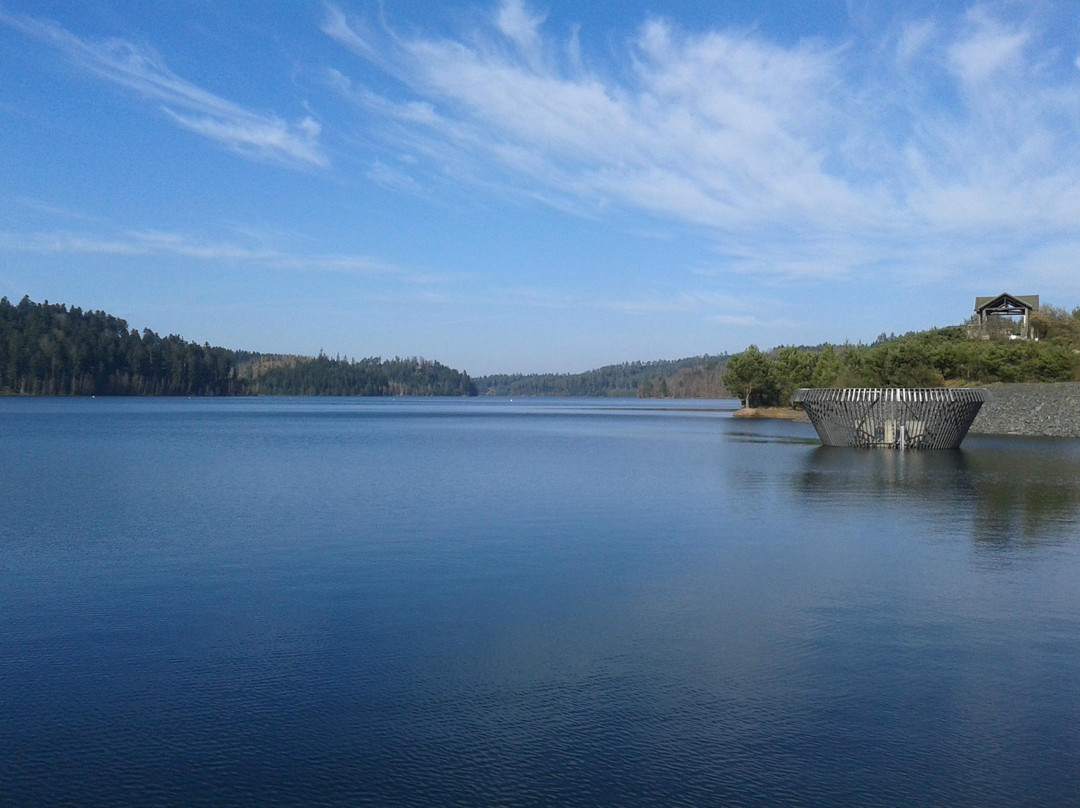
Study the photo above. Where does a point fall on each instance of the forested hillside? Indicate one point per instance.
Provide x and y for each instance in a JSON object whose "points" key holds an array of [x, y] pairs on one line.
{"points": [[323, 376], [50, 349], [703, 380], [936, 358], [611, 380]]}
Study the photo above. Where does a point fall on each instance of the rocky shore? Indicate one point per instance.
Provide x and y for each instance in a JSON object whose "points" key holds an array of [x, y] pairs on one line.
{"points": [[1031, 409]]}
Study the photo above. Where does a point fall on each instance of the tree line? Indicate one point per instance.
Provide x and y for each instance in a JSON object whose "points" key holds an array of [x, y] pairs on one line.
{"points": [[323, 376], [704, 380], [624, 380], [936, 358], [51, 349]]}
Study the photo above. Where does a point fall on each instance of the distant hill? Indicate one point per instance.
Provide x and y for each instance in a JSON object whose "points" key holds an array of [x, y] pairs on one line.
{"points": [[625, 380], [323, 376], [51, 349]]}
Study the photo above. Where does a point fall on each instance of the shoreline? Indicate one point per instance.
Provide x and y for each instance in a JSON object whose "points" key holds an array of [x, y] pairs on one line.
{"points": [[778, 413]]}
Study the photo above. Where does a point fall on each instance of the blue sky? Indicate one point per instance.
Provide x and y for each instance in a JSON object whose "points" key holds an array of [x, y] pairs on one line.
{"points": [[538, 186]]}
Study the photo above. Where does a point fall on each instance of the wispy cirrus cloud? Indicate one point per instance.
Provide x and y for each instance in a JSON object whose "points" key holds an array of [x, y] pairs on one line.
{"points": [[716, 307], [943, 136], [659, 139], [157, 242], [685, 302], [719, 308], [141, 70], [754, 321]]}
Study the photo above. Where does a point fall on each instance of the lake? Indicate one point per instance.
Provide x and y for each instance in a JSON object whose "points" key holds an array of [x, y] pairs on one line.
{"points": [[416, 602]]}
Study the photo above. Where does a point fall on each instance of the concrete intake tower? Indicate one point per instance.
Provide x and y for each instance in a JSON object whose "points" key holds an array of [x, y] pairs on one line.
{"points": [[892, 417]]}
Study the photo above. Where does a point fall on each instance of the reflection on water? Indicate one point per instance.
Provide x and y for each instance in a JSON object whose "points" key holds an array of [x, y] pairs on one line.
{"points": [[460, 603], [749, 436], [1009, 493]]}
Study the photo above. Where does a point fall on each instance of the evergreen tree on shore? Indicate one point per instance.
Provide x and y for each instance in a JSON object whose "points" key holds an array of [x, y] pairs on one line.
{"points": [[50, 349]]}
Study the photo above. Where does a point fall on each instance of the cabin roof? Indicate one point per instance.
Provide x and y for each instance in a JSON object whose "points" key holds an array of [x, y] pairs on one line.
{"points": [[1007, 304]]}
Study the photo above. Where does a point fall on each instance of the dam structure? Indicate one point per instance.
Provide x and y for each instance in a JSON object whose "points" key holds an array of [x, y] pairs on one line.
{"points": [[891, 417]]}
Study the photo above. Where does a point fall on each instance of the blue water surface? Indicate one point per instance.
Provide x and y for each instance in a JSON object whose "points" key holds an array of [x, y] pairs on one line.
{"points": [[348, 602]]}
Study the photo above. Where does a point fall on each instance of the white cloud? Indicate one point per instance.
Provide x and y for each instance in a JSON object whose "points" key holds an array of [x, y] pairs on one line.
{"points": [[683, 303], [809, 160], [987, 48], [68, 242], [931, 146], [390, 177], [916, 36], [157, 242], [516, 23], [141, 70], [337, 26], [715, 307], [706, 129], [750, 321], [260, 137]]}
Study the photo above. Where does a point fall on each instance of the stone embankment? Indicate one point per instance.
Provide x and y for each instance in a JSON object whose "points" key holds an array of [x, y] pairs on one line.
{"points": [[1031, 409]]}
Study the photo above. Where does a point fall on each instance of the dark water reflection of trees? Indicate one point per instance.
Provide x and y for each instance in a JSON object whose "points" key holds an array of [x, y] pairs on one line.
{"points": [[1011, 492]]}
